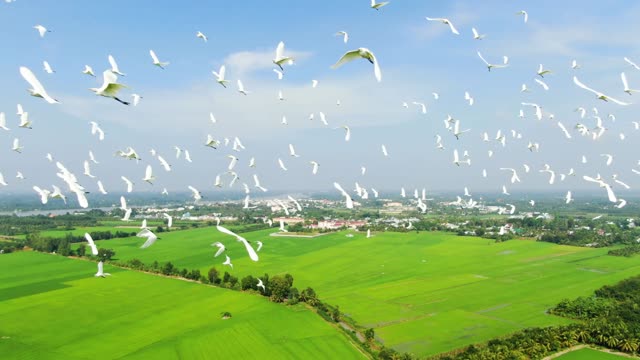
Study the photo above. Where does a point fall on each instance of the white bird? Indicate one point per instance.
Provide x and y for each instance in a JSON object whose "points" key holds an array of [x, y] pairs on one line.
{"points": [[514, 174], [626, 84], [456, 129], [504, 190], [345, 36], [101, 188], [169, 220], [228, 261], [16, 146], [110, 86], [252, 253], [622, 203], [282, 164], [602, 184], [37, 89], [536, 107], [476, 35], [261, 285], [456, 159], [114, 66], [202, 36], [446, 22], [88, 71], [232, 162], [44, 193], [468, 97], [568, 198], [564, 130], [347, 134], [360, 53], [490, 66], [19, 175], [323, 119], [87, 169], [220, 76], [3, 122], [92, 244], [259, 245], [241, 89], [24, 121], [101, 272], [221, 248], [148, 175], [144, 224], [92, 157], [315, 165], [196, 194], [598, 94], [149, 235], [95, 129], [47, 67], [632, 63], [41, 30], [128, 182], [609, 158], [211, 142], [292, 151], [348, 199], [525, 14], [378, 5], [314, 83], [136, 99], [256, 182], [542, 83], [164, 163], [575, 65], [615, 179], [423, 107], [280, 59]]}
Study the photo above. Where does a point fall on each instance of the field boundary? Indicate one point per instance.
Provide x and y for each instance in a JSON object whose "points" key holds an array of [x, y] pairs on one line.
{"points": [[583, 346], [277, 234]]}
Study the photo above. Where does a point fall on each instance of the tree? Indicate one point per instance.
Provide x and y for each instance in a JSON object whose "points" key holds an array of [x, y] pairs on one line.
{"points": [[213, 276], [294, 296], [279, 287], [248, 282], [309, 296], [369, 334], [63, 247], [335, 314], [194, 274], [81, 250], [106, 254], [233, 280], [167, 268], [226, 277]]}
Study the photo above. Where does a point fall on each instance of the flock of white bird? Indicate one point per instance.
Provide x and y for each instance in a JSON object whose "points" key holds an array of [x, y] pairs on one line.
{"points": [[111, 88]]}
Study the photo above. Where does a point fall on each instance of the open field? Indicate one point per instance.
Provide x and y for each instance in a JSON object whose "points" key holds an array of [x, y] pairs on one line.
{"points": [[591, 354], [53, 308], [423, 293]]}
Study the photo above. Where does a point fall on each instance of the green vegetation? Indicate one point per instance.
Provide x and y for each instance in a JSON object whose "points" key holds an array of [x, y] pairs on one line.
{"points": [[423, 293], [627, 251], [589, 354], [53, 308]]}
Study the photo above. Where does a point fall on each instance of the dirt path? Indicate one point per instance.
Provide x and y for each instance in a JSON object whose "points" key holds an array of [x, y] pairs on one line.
{"points": [[583, 346], [349, 328]]}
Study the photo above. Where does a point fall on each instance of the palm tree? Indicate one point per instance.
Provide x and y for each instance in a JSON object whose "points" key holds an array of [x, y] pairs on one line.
{"points": [[612, 342], [628, 345]]}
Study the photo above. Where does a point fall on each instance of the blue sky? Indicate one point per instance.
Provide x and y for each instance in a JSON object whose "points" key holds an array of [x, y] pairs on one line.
{"points": [[417, 58]]}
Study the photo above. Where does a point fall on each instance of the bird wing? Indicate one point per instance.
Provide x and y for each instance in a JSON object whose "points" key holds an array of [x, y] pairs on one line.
{"points": [[624, 81], [114, 65], [123, 203], [151, 238], [348, 56], [148, 173], [154, 57], [28, 75], [475, 32], [580, 84], [222, 72], [376, 67], [610, 194], [482, 58], [453, 28], [279, 50], [92, 244], [631, 63]]}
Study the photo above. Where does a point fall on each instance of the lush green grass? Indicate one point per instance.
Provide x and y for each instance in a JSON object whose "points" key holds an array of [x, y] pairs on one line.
{"points": [[53, 308], [589, 354], [423, 293]]}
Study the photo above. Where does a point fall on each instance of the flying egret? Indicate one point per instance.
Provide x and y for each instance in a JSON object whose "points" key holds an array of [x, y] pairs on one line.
{"points": [[202, 36], [257, 183], [196, 194], [633, 64], [252, 253], [476, 35], [228, 261], [148, 175], [490, 66], [92, 157], [41, 30], [598, 94], [3, 122], [25, 123], [345, 36], [221, 248], [149, 235], [348, 199], [315, 167], [110, 87], [280, 59], [259, 245], [626, 84], [292, 151], [360, 53], [241, 89], [261, 285], [87, 169], [136, 99], [282, 164], [44, 193], [542, 83], [101, 272], [128, 182], [95, 129], [378, 5], [457, 161], [37, 89], [169, 220], [164, 163], [47, 68], [446, 22], [114, 66], [220, 76], [524, 14], [16, 146], [101, 188]]}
